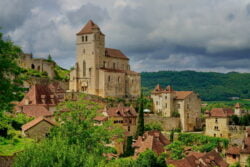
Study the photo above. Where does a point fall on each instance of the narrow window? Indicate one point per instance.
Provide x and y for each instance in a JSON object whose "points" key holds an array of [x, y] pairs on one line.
{"points": [[86, 38], [113, 65], [32, 66], [82, 38], [84, 68], [109, 78], [118, 79]]}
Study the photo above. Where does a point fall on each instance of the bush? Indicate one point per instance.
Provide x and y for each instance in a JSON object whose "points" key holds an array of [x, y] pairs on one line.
{"points": [[153, 126]]}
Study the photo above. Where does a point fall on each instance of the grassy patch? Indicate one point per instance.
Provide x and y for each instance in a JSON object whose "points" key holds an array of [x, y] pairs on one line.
{"points": [[61, 73], [9, 147]]}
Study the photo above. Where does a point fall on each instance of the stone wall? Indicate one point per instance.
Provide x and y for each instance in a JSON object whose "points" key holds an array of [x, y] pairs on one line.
{"points": [[37, 80], [39, 131], [6, 161], [168, 123]]}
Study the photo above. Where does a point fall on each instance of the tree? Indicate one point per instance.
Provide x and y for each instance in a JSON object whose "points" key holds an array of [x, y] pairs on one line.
{"points": [[153, 126], [172, 135], [149, 159], [50, 58], [140, 123], [10, 85], [76, 142]]}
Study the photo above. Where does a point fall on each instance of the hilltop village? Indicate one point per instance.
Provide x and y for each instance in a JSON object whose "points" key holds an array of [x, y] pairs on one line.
{"points": [[175, 123]]}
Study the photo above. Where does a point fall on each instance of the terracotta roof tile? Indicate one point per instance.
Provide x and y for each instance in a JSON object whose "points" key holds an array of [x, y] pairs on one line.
{"points": [[182, 94], [234, 150], [115, 53], [36, 111], [209, 159], [88, 28], [153, 140], [221, 112], [179, 95], [121, 111], [38, 92], [34, 122], [100, 118]]}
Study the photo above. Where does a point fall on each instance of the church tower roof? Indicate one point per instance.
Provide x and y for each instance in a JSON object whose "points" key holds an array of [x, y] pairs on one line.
{"points": [[88, 28]]}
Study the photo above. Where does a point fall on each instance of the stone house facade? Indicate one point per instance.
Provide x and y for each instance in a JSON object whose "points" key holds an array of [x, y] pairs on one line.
{"points": [[124, 117], [42, 65], [101, 71], [245, 149], [37, 128], [217, 122], [233, 154], [187, 104]]}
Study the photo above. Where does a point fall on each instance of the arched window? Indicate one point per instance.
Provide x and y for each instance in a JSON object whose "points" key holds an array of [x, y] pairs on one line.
{"points": [[32, 66], [84, 68], [86, 38], [82, 38], [38, 68]]}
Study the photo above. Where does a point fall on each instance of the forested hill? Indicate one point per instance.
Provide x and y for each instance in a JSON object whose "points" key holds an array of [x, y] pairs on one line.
{"points": [[210, 85]]}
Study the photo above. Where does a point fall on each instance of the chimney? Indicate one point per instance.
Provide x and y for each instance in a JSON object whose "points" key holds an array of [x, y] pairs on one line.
{"points": [[43, 99]]}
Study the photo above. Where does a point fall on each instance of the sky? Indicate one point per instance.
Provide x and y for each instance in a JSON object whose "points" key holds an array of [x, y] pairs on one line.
{"points": [[201, 35]]}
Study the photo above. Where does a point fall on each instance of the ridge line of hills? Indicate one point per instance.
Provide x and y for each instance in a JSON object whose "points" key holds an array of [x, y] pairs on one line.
{"points": [[211, 86]]}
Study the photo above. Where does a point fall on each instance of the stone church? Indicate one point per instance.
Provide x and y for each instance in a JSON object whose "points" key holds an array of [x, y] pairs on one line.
{"points": [[101, 71]]}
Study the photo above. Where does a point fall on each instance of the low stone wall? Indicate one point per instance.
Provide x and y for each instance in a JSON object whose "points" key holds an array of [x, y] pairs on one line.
{"points": [[6, 161], [168, 123]]}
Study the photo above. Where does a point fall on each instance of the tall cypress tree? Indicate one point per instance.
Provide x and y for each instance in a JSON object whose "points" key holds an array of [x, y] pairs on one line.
{"points": [[140, 122]]}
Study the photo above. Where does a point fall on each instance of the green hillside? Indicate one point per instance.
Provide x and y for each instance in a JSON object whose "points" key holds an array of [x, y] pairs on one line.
{"points": [[210, 85]]}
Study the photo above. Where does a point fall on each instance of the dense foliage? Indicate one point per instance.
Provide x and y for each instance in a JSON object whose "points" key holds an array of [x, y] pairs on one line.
{"points": [[153, 126], [197, 142], [61, 74], [9, 73], [242, 120], [140, 123], [76, 142], [145, 159], [210, 86]]}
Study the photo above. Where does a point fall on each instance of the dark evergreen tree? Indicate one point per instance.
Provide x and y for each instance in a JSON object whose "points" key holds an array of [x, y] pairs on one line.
{"points": [[140, 123]]}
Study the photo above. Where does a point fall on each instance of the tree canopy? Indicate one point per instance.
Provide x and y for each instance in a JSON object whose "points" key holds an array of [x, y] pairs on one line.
{"points": [[9, 73], [211, 86], [76, 142]]}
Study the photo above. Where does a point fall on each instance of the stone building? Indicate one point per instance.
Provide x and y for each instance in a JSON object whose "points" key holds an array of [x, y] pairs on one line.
{"points": [[41, 100], [233, 154], [101, 71], [170, 103], [42, 65], [245, 150], [153, 140], [125, 117], [217, 122], [37, 128]]}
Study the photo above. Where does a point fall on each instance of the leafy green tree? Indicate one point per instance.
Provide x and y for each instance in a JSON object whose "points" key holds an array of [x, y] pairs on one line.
{"points": [[129, 150], [153, 126], [76, 142], [172, 136], [50, 58], [150, 159], [10, 85], [177, 149], [140, 123]]}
